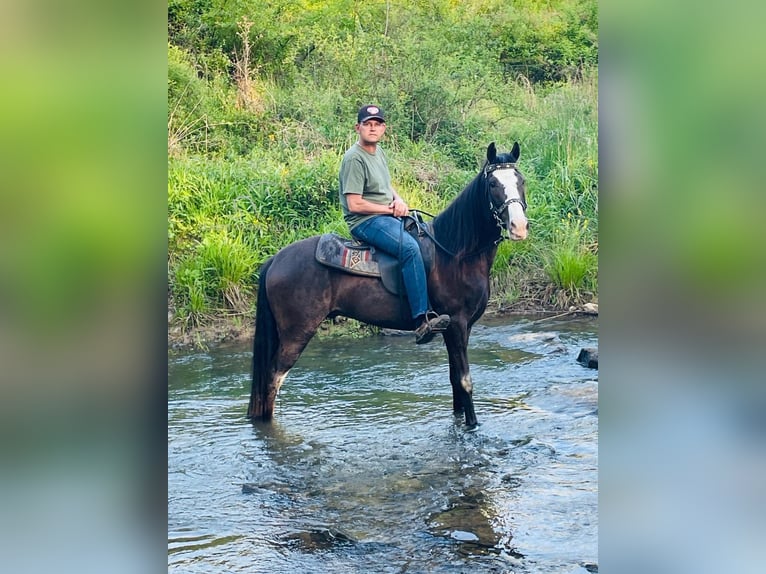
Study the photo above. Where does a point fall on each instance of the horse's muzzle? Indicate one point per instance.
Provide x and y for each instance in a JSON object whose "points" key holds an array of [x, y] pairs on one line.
{"points": [[518, 232]]}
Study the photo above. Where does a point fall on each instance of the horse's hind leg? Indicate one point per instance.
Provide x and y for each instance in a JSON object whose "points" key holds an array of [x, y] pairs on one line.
{"points": [[296, 325], [268, 375], [290, 348], [297, 297]]}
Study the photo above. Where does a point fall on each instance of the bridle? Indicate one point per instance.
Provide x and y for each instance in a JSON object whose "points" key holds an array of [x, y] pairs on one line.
{"points": [[497, 211]]}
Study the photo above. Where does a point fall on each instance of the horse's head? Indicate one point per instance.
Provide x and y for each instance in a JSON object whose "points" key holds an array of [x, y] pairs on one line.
{"points": [[507, 191]]}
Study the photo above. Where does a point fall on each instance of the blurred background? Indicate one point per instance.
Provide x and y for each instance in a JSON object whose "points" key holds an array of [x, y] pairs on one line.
{"points": [[83, 280], [82, 271], [682, 276]]}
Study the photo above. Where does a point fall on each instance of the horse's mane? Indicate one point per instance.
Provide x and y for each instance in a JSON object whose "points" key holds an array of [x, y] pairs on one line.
{"points": [[466, 225]]}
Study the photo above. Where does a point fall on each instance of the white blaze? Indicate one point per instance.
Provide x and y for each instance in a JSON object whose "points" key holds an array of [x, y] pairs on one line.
{"points": [[517, 221]]}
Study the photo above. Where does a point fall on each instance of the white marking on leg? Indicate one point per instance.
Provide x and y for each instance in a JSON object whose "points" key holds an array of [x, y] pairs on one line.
{"points": [[466, 383], [278, 380]]}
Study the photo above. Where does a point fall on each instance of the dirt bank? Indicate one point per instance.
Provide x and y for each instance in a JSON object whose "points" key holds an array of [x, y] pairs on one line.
{"points": [[220, 330]]}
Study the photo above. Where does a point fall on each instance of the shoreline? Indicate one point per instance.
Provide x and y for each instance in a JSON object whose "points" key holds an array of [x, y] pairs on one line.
{"points": [[241, 328]]}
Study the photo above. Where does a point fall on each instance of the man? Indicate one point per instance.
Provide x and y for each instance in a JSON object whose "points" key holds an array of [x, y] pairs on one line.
{"points": [[372, 208]]}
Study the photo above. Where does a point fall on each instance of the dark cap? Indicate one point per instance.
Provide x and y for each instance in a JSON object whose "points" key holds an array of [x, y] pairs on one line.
{"points": [[368, 113]]}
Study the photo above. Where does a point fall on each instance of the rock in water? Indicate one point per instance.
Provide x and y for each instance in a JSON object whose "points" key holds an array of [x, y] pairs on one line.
{"points": [[590, 309], [588, 358]]}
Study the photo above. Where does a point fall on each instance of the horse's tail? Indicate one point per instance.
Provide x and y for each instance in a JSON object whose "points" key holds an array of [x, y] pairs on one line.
{"points": [[265, 345]]}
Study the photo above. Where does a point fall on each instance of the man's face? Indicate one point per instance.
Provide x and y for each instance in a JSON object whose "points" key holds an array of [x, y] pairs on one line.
{"points": [[371, 131]]}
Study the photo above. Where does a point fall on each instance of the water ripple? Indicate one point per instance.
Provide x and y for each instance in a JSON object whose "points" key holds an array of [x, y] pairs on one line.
{"points": [[365, 464]]}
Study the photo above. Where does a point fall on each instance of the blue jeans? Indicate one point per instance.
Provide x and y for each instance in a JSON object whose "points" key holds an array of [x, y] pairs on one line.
{"points": [[387, 234]]}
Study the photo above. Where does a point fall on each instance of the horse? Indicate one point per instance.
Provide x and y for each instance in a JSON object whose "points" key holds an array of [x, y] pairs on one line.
{"points": [[296, 293]]}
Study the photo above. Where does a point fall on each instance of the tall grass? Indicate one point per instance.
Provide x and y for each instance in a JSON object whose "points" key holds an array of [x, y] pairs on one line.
{"points": [[272, 180], [559, 138], [217, 276], [571, 261]]}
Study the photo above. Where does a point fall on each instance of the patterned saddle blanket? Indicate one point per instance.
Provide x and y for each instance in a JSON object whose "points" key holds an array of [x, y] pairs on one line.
{"points": [[359, 258]]}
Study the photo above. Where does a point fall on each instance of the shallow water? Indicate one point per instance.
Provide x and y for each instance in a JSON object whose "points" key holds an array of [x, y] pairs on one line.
{"points": [[365, 469]]}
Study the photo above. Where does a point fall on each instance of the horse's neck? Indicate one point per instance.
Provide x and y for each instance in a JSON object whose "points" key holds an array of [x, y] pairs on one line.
{"points": [[466, 226]]}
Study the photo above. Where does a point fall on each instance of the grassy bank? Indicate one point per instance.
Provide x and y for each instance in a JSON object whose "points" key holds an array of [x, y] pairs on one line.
{"points": [[226, 215], [258, 123]]}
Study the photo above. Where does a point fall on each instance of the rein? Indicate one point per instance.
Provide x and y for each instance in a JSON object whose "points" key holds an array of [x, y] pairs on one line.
{"points": [[426, 230]]}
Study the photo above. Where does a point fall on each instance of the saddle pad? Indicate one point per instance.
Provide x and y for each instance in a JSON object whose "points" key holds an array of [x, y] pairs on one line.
{"points": [[359, 259], [347, 254]]}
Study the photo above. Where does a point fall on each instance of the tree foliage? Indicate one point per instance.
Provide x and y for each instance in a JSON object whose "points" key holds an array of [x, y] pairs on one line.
{"points": [[432, 64]]}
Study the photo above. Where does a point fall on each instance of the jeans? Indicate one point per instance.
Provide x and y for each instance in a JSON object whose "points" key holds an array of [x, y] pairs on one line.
{"points": [[387, 234]]}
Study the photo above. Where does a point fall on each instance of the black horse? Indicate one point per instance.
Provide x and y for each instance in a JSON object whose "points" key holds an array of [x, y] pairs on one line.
{"points": [[296, 293]]}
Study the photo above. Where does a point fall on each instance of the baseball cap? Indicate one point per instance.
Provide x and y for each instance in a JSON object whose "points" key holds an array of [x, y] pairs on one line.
{"points": [[368, 113]]}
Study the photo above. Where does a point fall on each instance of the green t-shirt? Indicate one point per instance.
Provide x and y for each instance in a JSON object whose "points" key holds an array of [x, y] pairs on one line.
{"points": [[365, 174]]}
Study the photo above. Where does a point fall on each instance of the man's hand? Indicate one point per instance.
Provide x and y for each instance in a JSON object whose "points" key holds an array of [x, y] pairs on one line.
{"points": [[399, 207]]}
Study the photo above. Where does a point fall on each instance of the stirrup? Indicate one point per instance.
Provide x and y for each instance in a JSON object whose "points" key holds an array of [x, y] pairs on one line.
{"points": [[433, 324]]}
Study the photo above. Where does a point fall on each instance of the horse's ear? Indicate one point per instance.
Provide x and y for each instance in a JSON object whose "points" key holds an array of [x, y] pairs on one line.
{"points": [[515, 152], [491, 153]]}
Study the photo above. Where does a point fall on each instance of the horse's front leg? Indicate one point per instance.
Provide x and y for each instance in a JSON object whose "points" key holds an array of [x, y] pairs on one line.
{"points": [[456, 339]]}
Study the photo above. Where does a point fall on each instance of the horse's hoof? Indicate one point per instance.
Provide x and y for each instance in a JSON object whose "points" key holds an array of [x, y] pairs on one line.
{"points": [[258, 419]]}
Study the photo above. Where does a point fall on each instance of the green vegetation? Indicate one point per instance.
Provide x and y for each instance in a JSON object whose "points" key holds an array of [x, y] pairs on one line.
{"points": [[262, 98], [571, 262]]}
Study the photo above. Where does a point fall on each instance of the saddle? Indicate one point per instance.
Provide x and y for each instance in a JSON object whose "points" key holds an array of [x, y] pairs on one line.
{"points": [[359, 258]]}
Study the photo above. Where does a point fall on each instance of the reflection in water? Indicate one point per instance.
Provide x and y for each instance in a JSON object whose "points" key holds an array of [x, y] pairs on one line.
{"points": [[365, 468]]}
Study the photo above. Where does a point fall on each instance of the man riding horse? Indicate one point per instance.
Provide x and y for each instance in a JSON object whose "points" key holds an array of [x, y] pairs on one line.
{"points": [[298, 288], [372, 209]]}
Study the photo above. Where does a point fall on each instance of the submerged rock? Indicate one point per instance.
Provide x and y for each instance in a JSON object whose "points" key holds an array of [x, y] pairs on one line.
{"points": [[466, 520], [318, 538], [249, 488], [464, 536]]}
